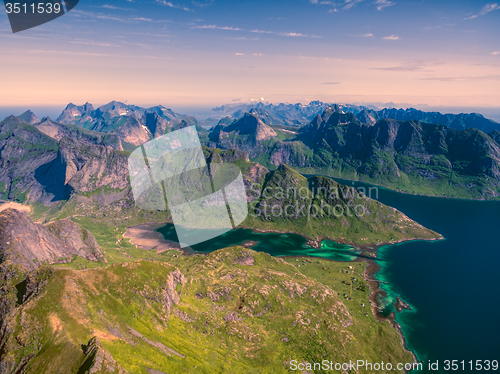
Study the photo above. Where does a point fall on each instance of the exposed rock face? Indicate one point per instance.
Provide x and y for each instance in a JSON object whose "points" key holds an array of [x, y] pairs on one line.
{"points": [[251, 125], [366, 117], [131, 123], [99, 360], [169, 292], [35, 282], [23, 150], [50, 161], [57, 131], [29, 117], [74, 113], [92, 166], [28, 244], [247, 134]]}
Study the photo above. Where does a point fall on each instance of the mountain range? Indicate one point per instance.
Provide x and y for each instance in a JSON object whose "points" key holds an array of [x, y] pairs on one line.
{"points": [[133, 124], [283, 114], [407, 150], [410, 156], [300, 115]]}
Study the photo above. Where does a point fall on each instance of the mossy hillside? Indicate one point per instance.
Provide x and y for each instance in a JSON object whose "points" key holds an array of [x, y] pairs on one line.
{"points": [[407, 156], [320, 207], [236, 311]]}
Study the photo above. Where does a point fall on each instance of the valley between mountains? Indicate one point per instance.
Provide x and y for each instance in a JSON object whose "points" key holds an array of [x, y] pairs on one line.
{"points": [[79, 298]]}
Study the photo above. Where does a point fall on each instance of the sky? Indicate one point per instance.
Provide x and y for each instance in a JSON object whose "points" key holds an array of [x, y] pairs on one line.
{"points": [[212, 52]]}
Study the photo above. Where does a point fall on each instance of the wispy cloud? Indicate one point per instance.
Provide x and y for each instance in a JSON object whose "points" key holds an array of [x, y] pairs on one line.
{"points": [[113, 7], [410, 66], [202, 3], [489, 8], [463, 79], [172, 5], [486, 9], [330, 83], [391, 37], [339, 4], [94, 43], [215, 27], [297, 34], [239, 54], [381, 4], [82, 13], [367, 35], [73, 53], [495, 53], [255, 31], [351, 3]]}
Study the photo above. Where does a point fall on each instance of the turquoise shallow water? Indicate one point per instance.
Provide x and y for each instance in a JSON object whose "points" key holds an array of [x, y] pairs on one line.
{"points": [[452, 285], [272, 243]]}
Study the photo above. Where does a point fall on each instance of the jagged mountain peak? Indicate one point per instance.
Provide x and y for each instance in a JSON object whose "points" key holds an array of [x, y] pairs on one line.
{"points": [[341, 118], [29, 117], [250, 124], [46, 119]]}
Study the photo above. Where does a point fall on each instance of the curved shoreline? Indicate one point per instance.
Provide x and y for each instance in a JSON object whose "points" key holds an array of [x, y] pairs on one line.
{"points": [[315, 243], [146, 237], [370, 184], [372, 269]]}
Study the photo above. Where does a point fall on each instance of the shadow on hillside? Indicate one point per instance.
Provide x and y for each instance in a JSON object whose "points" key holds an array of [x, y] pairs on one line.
{"points": [[52, 176]]}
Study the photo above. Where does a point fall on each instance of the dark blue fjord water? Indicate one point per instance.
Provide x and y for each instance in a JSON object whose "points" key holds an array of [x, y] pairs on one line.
{"points": [[452, 285]]}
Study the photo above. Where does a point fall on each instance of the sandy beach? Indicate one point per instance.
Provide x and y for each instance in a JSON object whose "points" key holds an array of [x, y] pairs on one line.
{"points": [[146, 237], [13, 205]]}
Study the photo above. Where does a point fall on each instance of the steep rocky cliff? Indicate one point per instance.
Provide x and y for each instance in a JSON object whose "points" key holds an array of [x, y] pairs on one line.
{"points": [[28, 244], [248, 134], [49, 162]]}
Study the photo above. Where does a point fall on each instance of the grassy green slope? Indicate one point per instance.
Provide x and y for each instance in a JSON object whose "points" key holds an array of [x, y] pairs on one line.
{"points": [[321, 208], [234, 310]]}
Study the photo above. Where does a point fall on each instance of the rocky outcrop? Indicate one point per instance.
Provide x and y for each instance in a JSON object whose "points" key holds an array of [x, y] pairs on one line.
{"points": [[366, 117], [28, 244], [57, 131], [99, 360], [29, 117], [169, 292], [285, 114], [253, 126], [247, 134], [89, 167]]}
